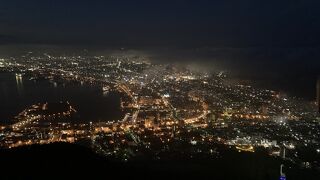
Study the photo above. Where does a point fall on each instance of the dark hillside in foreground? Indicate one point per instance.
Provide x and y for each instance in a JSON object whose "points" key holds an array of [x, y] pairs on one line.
{"points": [[64, 161]]}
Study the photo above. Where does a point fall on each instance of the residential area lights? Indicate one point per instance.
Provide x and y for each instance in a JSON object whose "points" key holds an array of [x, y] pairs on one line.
{"points": [[164, 106]]}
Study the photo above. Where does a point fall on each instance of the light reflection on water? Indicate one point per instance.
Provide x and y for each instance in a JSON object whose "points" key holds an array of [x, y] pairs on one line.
{"points": [[19, 84]]}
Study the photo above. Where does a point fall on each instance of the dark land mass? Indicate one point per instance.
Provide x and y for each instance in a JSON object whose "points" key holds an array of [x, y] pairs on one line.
{"points": [[65, 161]]}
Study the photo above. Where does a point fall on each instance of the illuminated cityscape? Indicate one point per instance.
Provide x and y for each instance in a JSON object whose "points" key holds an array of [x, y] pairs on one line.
{"points": [[178, 89], [163, 107]]}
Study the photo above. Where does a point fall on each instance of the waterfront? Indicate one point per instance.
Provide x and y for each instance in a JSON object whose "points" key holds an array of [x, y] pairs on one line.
{"points": [[18, 93]]}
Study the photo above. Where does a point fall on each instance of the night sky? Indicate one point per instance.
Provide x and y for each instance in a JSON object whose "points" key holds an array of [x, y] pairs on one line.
{"points": [[230, 23], [274, 40]]}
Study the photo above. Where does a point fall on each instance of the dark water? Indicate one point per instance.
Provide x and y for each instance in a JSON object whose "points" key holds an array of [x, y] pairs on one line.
{"points": [[18, 93]]}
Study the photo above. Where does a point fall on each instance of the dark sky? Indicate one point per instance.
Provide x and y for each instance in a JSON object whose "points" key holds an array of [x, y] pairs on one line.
{"points": [[220, 23], [277, 40]]}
